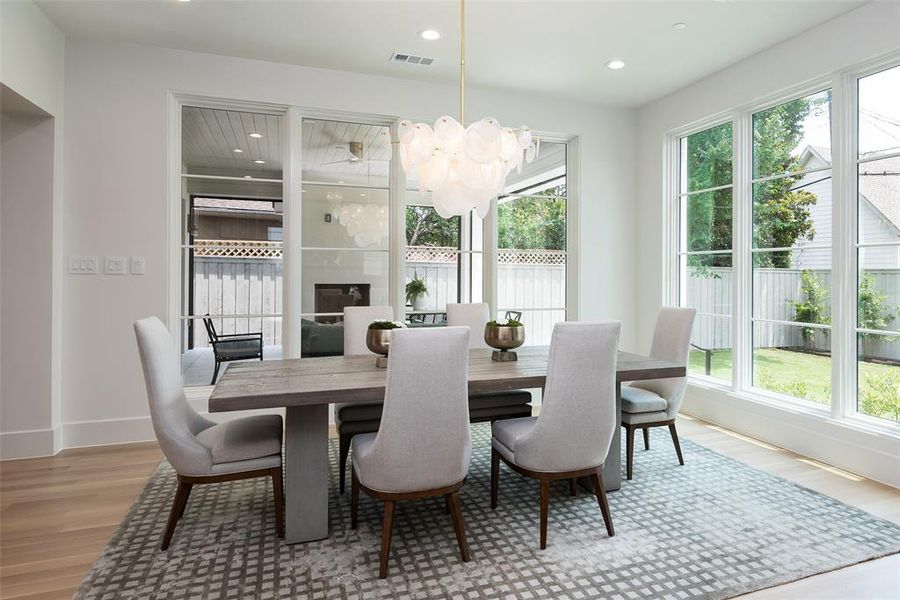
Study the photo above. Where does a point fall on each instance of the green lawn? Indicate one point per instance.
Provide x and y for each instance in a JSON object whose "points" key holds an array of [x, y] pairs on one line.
{"points": [[806, 375]]}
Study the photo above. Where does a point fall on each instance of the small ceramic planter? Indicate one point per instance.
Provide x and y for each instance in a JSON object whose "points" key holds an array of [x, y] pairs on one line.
{"points": [[504, 338]]}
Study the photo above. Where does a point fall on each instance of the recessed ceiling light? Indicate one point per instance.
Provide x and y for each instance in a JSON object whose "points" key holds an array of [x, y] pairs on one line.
{"points": [[256, 135], [362, 194], [615, 65], [340, 182], [679, 25], [429, 34], [184, 0], [248, 176], [260, 162], [237, 150]]}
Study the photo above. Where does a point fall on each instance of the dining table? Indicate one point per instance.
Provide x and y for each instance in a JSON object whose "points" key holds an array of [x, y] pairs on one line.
{"points": [[305, 387]]}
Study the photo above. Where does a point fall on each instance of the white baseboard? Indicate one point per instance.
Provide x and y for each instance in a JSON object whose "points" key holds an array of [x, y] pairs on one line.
{"points": [[835, 442], [29, 444], [106, 432]]}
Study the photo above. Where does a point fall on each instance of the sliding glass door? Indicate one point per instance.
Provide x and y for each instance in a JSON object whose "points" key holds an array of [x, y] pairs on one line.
{"points": [[287, 218], [231, 245], [345, 214]]}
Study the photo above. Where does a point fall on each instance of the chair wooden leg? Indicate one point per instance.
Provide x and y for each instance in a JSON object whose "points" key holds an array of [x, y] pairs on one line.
{"points": [[278, 493], [675, 441], [459, 525], [354, 500], [386, 531], [600, 492], [646, 438], [573, 487], [344, 443], [178, 504], [545, 500], [495, 476], [447, 508], [629, 450], [215, 373]]}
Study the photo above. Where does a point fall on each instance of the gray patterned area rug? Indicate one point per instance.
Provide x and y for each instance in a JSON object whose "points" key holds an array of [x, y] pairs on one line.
{"points": [[714, 528]]}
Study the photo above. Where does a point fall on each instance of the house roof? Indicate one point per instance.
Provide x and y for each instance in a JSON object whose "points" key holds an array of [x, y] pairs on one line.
{"points": [[879, 183]]}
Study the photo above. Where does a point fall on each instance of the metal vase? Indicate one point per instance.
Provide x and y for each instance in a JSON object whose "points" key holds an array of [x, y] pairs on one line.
{"points": [[504, 339], [379, 342]]}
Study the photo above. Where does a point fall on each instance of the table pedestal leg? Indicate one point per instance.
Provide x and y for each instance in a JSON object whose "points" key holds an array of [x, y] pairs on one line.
{"points": [[306, 473], [612, 468]]}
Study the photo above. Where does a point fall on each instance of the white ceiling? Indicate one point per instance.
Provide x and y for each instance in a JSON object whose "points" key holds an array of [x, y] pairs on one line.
{"points": [[553, 47]]}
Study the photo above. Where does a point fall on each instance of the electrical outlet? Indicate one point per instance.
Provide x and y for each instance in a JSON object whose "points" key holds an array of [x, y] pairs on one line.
{"points": [[138, 265], [83, 265], [114, 265]]}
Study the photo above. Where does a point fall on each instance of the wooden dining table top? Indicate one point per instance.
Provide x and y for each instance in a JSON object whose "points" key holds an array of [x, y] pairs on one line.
{"points": [[324, 380]]}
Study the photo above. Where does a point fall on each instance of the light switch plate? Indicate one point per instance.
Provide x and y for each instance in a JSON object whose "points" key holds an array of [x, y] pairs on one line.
{"points": [[138, 265], [114, 265], [83, 265]]}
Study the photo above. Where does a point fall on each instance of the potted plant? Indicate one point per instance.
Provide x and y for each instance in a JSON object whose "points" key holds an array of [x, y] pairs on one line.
{"points": [[416, 290], [378, 339], [504, 336]]}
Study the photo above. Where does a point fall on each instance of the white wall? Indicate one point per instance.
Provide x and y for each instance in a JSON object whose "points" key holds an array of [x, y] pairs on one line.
{"points": [[116, 102], [32, 64], [865, 33]]}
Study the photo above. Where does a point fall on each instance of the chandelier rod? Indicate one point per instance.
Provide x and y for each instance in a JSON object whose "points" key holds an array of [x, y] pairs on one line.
{"points": [[462, 62]]}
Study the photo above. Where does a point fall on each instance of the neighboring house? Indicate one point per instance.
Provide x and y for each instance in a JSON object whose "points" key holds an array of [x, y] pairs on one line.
{"points": [[879, 207]]}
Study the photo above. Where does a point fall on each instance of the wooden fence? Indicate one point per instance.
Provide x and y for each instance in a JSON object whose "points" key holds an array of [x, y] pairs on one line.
{"points": [[247, 284], [774, 294]]}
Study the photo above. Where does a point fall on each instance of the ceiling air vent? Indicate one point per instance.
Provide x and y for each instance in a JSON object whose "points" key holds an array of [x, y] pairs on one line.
{"points": [[412, 59]]}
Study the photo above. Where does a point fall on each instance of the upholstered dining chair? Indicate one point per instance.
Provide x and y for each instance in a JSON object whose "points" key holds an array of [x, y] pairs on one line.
{"points": [[351, 419], [571, 436], [423, 446], [655, 402], [486, 406], [202, 451]]}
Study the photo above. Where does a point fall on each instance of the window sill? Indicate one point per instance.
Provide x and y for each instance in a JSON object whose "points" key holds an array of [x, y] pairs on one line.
{"points": [[856, 422]]}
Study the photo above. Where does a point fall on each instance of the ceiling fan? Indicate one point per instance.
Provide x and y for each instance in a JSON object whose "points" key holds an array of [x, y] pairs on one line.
{"points": [[354, 151]]}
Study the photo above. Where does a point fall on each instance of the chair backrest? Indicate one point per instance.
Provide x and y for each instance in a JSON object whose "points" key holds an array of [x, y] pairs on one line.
{"points": [[474, 315], [671, 341], [356, 324], [210, 329], [176, 424], [423, 442], [578, 410]]}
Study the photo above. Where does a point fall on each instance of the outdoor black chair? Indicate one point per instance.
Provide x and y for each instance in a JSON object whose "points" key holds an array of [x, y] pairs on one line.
{"points": [[235, 346]]}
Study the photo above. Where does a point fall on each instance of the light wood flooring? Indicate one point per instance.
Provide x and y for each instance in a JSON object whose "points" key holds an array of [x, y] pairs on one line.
{"points": [[56, 514]]}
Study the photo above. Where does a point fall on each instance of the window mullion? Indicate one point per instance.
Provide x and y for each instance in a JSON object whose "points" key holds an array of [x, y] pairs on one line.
{"points": [[844, 252], [742, 284]]}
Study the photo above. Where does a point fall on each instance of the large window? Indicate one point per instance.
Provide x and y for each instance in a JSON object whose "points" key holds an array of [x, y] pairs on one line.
{"points": [[704, 246], [231, 249], [791, 257], [345, 216], [532, 245], [791, 248], [878, 255]]}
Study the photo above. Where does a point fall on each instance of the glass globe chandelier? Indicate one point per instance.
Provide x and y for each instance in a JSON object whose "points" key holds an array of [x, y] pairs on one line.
{"points": [[463, 167]]}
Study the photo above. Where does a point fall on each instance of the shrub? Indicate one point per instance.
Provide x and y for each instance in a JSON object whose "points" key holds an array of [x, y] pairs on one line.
{"points": [[813, 308], [880, 396]]}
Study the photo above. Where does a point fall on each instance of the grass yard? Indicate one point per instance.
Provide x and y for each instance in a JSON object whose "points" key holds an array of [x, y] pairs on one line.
{"points": [[804, 375]]}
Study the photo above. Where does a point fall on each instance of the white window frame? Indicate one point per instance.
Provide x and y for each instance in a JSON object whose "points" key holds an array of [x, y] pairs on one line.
{"points": [[843, 85]]}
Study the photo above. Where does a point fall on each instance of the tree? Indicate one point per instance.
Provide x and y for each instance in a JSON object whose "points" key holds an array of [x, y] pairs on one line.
{"points": [[781, 214], [533, 222], [424, 227], [537, 221]]}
